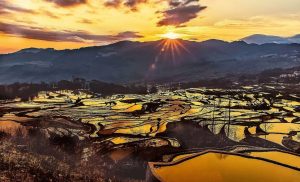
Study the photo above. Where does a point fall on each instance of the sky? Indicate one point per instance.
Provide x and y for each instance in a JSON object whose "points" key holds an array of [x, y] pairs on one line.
{"points": [[69, 24]]}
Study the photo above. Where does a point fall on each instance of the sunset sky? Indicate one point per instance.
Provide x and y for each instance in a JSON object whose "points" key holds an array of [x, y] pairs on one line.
{"points": [[70, 24]]}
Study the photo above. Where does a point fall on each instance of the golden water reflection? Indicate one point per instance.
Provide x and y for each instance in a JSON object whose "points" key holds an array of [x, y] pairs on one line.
{"points": [[219, 167]]}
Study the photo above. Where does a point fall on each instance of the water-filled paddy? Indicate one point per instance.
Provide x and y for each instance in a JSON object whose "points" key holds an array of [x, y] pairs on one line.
{"points": [[136, 129]]}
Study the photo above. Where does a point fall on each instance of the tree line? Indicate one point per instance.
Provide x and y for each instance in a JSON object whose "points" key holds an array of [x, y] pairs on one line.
{"points": [[27, 91]]}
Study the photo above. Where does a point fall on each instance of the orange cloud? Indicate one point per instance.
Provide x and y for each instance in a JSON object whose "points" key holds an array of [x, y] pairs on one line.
{"points": [[63, 36]]}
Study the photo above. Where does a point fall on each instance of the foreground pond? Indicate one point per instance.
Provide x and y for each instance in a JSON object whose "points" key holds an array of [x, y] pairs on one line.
{"points": [[230, 167]]}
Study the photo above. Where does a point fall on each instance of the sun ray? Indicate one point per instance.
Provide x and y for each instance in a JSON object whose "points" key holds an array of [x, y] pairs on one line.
{"points": [[171, 48]]}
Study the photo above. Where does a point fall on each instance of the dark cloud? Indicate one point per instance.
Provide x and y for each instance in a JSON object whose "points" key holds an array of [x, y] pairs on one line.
{"points": [[67, 3], [63, 36], [6, 7], [112, 3], [180, 12], [131, 4], [174, 3]]}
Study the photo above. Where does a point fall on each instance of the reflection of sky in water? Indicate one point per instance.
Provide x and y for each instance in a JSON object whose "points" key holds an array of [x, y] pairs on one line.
{"points": [[220, 167], [112, 115]]}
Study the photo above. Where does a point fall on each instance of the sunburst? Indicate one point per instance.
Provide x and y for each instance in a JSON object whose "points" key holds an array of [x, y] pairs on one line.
{"points": [[171, 35], [172, 47]]}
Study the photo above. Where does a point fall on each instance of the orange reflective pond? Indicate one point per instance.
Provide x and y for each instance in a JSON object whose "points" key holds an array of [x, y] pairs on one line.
{"points": [[218, 167], [281, 157]]}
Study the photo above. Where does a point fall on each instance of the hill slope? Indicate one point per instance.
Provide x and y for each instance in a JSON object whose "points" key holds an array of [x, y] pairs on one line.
{"points": [[160, 61]]}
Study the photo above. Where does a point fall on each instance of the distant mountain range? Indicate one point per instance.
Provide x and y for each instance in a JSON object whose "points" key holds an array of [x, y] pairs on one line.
{"points": [[267, 39], [127, 62]]}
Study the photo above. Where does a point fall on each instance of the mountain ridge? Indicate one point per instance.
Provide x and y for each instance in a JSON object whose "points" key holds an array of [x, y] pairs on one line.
{"points": [[155, 61], [245, 39], [265, 39]]}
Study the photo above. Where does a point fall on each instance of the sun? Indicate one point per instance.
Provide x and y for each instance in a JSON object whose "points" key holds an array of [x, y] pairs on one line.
{"points": [[171, 35]]}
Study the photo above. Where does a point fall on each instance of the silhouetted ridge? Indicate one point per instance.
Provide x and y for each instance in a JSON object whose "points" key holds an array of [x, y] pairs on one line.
{"points": [[154, 61]]}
